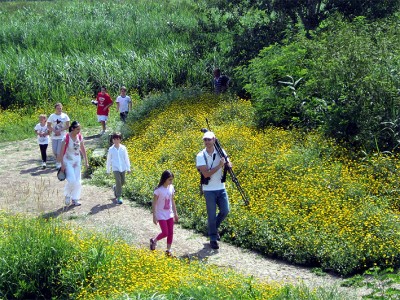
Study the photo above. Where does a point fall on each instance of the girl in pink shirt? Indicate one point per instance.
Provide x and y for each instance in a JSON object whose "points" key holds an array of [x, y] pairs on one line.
{"points": [[164, 210]]}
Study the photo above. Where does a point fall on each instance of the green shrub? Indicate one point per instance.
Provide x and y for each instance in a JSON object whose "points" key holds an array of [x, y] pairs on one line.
{"points": [[350, 91]]}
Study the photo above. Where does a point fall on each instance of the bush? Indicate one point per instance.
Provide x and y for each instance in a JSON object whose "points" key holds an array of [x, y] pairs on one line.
{"points": [[350, 92]]}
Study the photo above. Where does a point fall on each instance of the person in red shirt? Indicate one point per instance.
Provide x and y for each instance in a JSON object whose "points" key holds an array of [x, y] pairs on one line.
{"points": [[104, 102]]}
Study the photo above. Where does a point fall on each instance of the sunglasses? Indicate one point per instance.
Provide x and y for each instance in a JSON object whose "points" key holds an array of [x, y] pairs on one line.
{"points": [[207, 140]]}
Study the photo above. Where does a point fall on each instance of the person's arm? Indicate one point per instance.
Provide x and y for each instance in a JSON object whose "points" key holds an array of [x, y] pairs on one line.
{"points": [[208, 172], [37, 131], [49, 127], [176, 218], [154, 204], [130, 104], [108, 106], [67, 124], [83, 151], [109, 160], [127, 161]]}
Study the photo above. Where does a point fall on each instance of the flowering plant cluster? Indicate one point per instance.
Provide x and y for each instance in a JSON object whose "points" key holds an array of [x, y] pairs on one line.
{"points": [[310, 203]]}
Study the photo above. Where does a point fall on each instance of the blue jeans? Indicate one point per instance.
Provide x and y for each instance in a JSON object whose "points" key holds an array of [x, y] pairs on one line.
{"points": [[213, 199]]}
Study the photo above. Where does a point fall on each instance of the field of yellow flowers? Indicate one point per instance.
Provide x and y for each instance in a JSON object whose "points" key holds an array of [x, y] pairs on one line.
{"points": [[310, 203]]}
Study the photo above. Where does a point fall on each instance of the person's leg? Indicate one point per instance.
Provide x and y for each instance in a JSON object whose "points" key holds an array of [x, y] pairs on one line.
{"points": [[70, 179], [118, 184], [164, 230], [122, 116], [170, 237], [211, 198], [43, 149], [102, 120], [122, 180], [75, 184], [54, 146], [223, 207]]}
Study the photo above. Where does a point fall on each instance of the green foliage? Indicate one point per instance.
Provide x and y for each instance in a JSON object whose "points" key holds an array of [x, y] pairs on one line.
{"points": [[52, 52], [351, 92], [32, 257], [46, 259], [276, 103]]}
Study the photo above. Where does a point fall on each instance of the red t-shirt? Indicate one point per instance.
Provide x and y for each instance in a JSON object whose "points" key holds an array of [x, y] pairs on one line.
{"points": [[103, 101]]}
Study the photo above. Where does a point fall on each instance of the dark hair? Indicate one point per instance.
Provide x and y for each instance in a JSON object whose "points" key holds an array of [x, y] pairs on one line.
{"points": [[164, 176], [73, 125], [116, 135]]}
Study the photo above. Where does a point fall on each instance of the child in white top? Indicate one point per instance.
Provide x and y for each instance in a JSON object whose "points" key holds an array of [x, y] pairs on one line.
{"points": [[58, 124], [42, 137], [124, 104], [164, 210], [118, 162]]}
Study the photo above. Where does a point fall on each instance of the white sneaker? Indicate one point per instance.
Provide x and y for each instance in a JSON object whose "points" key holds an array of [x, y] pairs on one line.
{"points": [[102, 132], [67, 200], [43, 165]]}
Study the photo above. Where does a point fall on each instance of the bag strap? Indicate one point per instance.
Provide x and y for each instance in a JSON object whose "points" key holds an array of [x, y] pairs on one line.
{"points": [[67, 140]]}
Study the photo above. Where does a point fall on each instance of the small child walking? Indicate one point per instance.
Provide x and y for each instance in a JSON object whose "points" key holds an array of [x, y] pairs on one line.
{"points": [[164, 210], [42, 133], [124, 104], [118, 162]]}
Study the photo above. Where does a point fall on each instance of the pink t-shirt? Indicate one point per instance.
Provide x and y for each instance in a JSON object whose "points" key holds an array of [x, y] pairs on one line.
{"points": [[163, 208]]}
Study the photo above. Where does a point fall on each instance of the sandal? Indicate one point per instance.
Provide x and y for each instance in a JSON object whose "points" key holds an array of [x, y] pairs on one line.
{"points": [[153, 244]]}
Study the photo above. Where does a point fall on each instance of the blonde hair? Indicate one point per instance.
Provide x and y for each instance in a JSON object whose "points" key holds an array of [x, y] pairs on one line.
{"points": [[42, 116]]}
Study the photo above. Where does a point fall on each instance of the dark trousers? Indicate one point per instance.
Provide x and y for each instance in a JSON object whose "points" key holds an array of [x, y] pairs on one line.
{"points": [[123, 116], [43, 149]]}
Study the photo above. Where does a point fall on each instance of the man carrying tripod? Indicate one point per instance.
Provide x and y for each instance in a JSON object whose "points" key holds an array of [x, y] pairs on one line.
{"points": [[211, 165]]}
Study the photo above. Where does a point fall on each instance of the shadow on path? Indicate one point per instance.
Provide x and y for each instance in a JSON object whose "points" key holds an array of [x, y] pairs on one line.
{"points": [[98, 208], [91, 137], [202, 254], [37, 171], [56, 213]]}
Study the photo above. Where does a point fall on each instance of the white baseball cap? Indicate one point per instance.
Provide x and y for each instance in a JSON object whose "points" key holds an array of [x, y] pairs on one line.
{"points": [[209, 135]]}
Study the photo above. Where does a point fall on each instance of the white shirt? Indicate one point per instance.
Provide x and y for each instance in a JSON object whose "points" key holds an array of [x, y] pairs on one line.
{"points": [[213, 160], [123, 103], [58, 122], [42, 140], [118, 159]]}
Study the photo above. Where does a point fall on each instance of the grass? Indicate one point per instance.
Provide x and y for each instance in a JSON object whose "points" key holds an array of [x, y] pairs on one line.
{"points": [[64, 49], [45, 258]]}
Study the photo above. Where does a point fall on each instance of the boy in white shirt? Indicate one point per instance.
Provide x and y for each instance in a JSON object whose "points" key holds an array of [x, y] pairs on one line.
{"points": [[124, 104], [118, 162]]}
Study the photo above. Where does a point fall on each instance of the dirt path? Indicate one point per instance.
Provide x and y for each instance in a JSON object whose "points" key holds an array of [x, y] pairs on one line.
{"points": [[25, 187]]}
